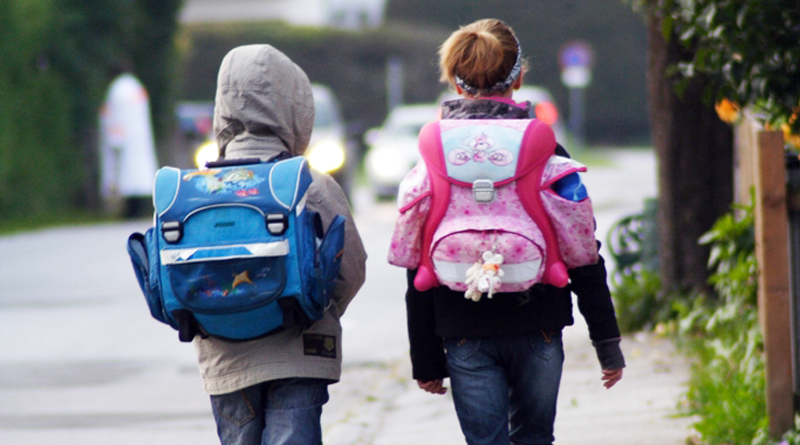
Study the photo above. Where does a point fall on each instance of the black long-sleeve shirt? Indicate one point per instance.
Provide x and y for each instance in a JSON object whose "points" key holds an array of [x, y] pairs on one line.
{"points": [[441, 312]]}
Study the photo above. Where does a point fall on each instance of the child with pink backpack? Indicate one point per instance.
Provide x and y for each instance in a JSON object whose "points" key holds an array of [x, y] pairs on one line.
{"points": [[496, 231]]}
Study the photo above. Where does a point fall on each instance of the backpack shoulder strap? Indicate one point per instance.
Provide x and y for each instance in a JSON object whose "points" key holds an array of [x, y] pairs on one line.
{"points": [[539, 145], [288, 181], [430, 147], [165, 188]]}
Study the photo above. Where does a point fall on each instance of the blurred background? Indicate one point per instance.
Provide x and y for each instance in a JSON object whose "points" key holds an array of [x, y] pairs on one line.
{"points": [[95, 95], [367, 57]]}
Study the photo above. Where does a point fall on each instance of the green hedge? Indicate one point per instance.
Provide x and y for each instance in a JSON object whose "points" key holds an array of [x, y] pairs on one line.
{"points": [[58, 58], [38, 174]]}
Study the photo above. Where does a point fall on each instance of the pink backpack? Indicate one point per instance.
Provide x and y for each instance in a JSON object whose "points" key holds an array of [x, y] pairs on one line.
{"points": [[477, 214]]}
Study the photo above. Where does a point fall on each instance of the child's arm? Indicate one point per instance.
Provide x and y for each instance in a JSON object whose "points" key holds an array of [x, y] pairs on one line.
{"points": [[611, 377], [427, 352], [433, 386], [595, 304]]}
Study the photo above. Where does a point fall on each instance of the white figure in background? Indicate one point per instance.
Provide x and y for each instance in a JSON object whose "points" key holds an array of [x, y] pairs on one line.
{"points": [[127, 148]]}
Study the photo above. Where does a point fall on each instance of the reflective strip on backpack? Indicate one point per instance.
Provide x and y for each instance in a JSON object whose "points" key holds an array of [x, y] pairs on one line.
{"points": [[216, 253], [512, 273]]}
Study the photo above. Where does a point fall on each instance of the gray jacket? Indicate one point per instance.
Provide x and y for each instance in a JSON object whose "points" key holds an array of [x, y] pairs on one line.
{"points": [[263, 107]]}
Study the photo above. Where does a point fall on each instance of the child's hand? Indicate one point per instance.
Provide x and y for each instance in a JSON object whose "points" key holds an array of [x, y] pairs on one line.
{"points": [[611, 377], [433, 387]]}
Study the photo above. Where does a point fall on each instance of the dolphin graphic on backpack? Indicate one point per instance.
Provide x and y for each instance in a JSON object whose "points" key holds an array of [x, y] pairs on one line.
{"points": [[491, 208]]}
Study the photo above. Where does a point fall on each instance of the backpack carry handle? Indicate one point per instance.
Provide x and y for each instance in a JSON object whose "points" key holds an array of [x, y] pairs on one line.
{"points": [[222, 162], [232, 162]]}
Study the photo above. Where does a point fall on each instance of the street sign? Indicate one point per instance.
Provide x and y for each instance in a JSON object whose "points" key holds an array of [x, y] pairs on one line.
{"points": [[576, 60], [576, 53]]}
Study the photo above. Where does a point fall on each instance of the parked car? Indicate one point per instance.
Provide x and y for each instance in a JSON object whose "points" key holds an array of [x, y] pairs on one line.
{"points": [[327, 151], [542, 104], [392, 148]]}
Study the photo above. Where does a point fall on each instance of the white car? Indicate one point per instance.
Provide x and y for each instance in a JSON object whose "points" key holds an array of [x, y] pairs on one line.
{"points": [[393, 148], [328, 149]]}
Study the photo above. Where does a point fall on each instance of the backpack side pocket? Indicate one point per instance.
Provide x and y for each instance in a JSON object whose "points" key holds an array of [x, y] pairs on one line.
{"points": [[574, 227], [329, 254], [138, 251], [413, 201]]}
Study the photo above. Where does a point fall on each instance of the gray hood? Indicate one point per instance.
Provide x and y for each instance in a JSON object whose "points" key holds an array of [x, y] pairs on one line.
{"points": [[263, 105]]}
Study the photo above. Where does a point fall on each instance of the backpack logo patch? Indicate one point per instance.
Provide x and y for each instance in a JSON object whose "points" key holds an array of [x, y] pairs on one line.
{"points": [[482, 151], [481, 148], [241, 182]]}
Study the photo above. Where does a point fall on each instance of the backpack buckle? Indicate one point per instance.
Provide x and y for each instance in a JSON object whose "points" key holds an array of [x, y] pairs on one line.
{"points": [[172, 231], [483, 191], [277, 223]]}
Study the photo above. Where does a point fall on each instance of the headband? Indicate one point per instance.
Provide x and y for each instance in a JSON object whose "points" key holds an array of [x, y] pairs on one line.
{"points": [[499, 86]]}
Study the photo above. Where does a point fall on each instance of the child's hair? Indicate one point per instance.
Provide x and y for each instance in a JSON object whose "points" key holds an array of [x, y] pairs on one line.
{"points": [[481, 58]]}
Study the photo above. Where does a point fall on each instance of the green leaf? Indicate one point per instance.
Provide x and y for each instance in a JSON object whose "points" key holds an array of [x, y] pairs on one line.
{"points": [[687, 35], [741, 16], [667, 27], [708, 15]]}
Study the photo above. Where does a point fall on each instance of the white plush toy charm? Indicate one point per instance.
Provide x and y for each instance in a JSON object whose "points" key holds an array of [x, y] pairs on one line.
{"points": [[484, 276]]}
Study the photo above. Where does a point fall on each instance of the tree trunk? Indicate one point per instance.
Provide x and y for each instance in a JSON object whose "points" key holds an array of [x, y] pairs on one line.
{"points": [[695, 166]]}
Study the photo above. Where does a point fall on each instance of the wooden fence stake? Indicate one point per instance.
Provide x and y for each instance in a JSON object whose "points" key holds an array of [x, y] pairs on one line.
{"points": [[772, 246]]}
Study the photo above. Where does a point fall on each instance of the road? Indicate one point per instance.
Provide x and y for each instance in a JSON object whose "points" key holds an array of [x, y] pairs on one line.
{"points": [[83, 362]]}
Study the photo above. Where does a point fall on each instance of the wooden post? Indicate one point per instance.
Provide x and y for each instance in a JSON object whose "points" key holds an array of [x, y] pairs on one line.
{"points": [[772, 242]]}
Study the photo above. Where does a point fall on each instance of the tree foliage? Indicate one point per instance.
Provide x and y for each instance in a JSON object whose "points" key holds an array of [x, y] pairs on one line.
{"points": [[748, 49]]}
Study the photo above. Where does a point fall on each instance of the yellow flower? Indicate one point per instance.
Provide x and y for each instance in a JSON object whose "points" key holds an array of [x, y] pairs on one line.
{"points": [[791, 139], [727, 111]]}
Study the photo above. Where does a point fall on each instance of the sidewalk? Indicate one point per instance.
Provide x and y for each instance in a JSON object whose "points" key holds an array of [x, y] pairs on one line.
{"points": [[387, 408]]}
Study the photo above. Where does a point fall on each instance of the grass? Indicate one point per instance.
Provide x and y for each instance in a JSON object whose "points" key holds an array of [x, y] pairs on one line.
{"points": [[28, 224]]}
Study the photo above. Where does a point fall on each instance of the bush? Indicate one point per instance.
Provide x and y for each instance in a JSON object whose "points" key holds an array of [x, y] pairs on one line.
{"points": [[638, 302], [727, 386], [719, 331]]}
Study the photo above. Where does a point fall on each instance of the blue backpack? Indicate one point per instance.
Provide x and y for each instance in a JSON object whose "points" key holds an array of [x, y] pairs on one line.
{"points": [[234, 252]]}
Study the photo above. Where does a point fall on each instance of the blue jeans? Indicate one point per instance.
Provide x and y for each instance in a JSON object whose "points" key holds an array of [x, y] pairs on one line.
{"points": [[284, 411], [505, 388]]}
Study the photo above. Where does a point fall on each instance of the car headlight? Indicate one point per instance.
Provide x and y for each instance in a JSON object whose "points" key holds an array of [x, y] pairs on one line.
{"points": [[326, 156], [387, 166], [205, 153]]}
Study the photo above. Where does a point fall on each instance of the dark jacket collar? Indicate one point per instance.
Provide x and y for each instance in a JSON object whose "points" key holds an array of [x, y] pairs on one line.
{"points": [[484, 109]]}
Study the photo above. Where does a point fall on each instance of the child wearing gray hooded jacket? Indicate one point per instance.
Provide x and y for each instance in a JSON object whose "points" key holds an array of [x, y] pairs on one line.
{"points": [[271, 390]]}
